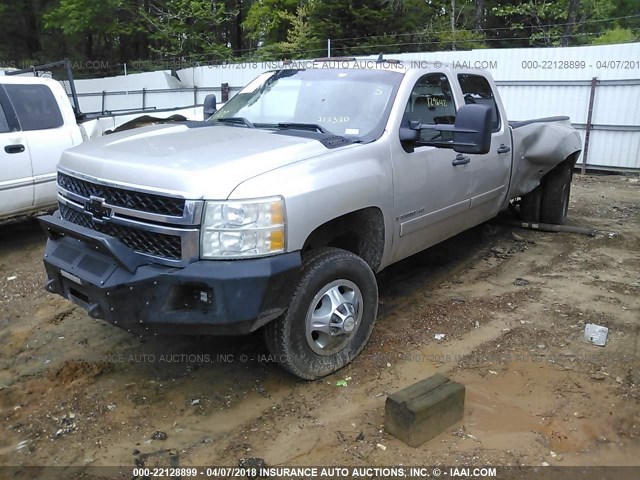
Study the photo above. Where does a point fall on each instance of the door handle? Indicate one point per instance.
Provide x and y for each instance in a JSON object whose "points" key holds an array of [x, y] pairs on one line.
{"points": [[460, 160], [14, 148], [504, 148]]}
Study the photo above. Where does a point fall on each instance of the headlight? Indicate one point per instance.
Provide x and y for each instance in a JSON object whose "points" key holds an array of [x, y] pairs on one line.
{"points": [[248, 228]]}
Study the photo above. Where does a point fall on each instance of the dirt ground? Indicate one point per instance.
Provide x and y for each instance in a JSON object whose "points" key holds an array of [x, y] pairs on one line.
{"points": [[512, 305]]}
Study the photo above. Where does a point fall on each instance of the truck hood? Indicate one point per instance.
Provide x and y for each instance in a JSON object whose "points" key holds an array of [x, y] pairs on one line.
{"points": [[205, 162]]}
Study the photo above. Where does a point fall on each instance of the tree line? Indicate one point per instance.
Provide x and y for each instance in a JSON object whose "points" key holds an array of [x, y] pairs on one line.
{"points": [[111, 33]]}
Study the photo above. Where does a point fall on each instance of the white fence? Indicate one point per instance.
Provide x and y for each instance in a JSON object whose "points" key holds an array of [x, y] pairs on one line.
{"points": [[613, 140], [533, 83], [145, 99]]}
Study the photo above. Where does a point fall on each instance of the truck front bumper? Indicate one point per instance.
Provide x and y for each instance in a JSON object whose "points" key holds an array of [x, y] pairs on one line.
{"points": [[111, 282]]}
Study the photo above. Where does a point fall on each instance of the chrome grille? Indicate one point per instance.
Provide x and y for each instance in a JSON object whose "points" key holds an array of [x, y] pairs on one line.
{"points": [[156, 244], [145, 202]]}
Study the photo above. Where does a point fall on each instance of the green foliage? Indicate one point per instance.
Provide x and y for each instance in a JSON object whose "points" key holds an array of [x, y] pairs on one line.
{"points": [[75, 17], [300, 37], [282, 28], [460, 39], [21, 35], [269, 20], [546, 21], [616, 35], [187, 27], [366, 27], [440, 34], [121, 31]]}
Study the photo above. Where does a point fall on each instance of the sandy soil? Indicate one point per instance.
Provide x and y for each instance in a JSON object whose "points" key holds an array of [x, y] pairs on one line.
{"points": [[76, 391]]}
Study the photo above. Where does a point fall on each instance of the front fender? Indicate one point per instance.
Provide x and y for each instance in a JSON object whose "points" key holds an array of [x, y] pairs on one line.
{"points": [[323, 188]]}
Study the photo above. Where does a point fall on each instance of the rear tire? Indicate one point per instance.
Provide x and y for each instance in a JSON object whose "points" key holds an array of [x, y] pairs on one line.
{"points": [[530, 204], [330, 317], [555, 193]]}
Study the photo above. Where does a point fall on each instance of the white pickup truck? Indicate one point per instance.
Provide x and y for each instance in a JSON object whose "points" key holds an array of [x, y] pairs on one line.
{"points": [[37, 123], [278, 210]]}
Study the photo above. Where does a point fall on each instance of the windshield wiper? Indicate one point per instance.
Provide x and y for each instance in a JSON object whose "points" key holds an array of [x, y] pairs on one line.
{"points": [[302, 126], [237, 121]]}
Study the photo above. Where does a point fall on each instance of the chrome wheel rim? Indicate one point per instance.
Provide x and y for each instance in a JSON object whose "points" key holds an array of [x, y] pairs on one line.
{"points": [[334, 317]]}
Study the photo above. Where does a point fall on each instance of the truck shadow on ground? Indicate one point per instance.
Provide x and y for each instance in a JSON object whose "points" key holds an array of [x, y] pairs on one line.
{"points": [[169, 357], [16, 235], [248, 355]]}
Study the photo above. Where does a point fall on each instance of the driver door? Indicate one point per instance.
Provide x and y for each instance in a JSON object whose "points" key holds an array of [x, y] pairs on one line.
{"points": [[16, 174], [431, 194]]}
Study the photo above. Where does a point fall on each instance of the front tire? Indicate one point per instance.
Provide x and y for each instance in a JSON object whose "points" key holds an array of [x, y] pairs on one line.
{"points": [[330, 317]]}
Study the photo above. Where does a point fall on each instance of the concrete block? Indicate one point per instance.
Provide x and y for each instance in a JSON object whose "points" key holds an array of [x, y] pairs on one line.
{"points": [[423, 410]]}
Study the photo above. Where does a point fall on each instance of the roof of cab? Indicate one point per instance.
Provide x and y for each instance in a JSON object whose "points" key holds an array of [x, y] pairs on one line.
{"points": [[25, 79], [380, 63]]}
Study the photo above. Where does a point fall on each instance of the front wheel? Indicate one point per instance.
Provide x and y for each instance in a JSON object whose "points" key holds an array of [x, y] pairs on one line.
{"points": [[330, 317]]}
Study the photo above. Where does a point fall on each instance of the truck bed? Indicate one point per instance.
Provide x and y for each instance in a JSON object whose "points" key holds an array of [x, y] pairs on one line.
{"points": [[522, 123], [538, 146]]}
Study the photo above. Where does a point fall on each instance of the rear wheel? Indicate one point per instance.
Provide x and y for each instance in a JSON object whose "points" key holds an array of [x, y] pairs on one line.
{"points": [[555, 194], [330, 317], [530, 205], [549, 201]]}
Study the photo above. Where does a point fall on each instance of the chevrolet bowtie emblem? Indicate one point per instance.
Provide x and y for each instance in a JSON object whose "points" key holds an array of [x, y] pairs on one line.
{"points": [[95, 207]]}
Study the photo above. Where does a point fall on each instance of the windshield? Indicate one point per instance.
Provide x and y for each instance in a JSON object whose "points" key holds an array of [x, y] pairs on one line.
{"points": [[346, 102]]}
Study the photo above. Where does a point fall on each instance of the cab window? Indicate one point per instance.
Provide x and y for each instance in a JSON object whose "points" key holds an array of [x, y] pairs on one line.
{"points": [[431, 102], [476, 90], [4, 125], [35, 106]]}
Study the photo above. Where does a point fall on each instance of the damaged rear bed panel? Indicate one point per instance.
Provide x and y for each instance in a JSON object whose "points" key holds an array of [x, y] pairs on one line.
{"points": [[538, 146]]}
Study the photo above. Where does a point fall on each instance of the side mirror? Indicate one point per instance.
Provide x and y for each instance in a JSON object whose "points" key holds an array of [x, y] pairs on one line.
{"points": [[210, 105], [471, 132], [411, 134]]}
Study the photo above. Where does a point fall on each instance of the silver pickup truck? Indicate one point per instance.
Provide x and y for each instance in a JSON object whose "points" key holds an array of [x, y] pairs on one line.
{"points": [[277, 211]]}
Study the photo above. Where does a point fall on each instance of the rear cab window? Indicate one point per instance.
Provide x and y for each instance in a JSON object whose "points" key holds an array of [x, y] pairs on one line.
{"points": [[35, 106], [477, 90], [4, 124]]}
